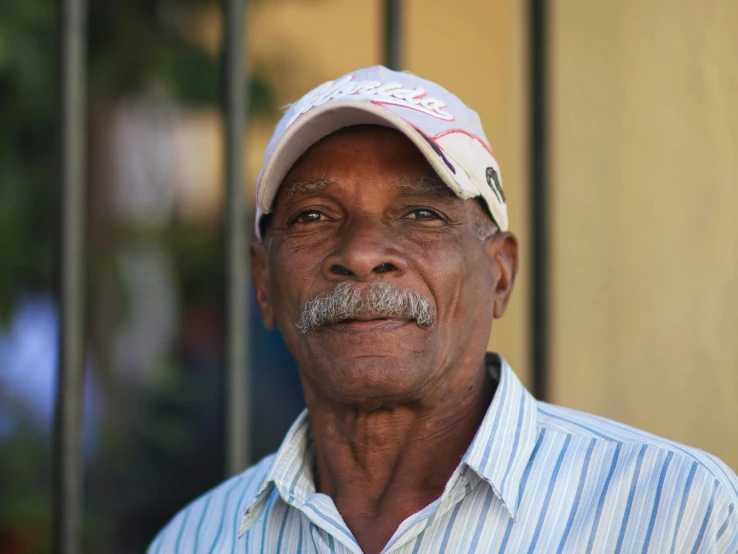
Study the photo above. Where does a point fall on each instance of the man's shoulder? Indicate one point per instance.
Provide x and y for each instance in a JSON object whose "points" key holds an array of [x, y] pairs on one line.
{"points": [[630, 441], [214, 514]]}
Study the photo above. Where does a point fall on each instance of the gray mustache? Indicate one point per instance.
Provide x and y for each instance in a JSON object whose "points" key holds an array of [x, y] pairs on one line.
{"points": [[348, 300]]}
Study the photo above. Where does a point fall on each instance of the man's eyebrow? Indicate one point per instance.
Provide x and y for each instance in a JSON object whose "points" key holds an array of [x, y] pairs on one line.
{"points": [[430, 185], [307, 187]]}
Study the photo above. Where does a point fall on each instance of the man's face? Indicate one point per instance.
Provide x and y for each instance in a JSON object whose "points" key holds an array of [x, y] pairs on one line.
{"points": [[364, 207]]}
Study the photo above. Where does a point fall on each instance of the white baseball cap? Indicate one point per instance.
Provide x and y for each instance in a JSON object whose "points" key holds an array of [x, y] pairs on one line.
{"points": [[445, 130]]}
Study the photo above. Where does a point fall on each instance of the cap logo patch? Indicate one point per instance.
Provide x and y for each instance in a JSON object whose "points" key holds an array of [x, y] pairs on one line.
{"points": [[493, 180], [391, 93]]}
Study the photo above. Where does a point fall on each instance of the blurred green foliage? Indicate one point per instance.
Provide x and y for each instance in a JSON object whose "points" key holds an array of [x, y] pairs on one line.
{"points": [[27, 143], [134, 46]]}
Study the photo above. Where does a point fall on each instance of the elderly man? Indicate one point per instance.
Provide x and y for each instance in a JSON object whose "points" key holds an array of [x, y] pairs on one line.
{"points": [[383, 258]]}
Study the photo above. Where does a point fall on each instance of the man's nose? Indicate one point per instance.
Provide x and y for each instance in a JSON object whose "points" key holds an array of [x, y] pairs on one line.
{"points": [[364, 250]]}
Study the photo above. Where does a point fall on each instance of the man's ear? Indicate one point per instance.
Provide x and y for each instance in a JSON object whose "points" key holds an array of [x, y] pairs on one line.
{"points": [[502, 253], [260, 273]]}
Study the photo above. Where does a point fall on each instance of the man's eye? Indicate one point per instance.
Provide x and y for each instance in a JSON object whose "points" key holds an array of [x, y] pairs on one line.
{"points": [[310, 216], [423, 214]]}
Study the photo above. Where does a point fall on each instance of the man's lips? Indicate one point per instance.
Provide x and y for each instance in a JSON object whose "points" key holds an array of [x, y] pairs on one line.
{"points": [[369, 323]]}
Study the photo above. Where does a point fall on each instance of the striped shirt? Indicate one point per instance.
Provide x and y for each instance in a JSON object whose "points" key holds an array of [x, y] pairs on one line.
{"points": [[536, 478]]}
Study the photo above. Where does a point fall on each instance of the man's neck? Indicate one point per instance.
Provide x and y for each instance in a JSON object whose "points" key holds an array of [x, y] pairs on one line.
{"points": [[382, 466]]}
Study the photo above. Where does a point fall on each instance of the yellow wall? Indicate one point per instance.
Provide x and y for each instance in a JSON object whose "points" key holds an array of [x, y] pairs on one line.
{"points": [[472, 47], [645, 189]]}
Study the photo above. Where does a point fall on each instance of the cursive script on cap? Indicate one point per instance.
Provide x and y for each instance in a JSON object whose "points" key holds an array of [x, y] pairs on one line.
{"points": [[377, 92]]}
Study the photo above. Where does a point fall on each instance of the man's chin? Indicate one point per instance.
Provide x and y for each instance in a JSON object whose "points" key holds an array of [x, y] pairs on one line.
{"points": [[356, 365], [375, 380]]}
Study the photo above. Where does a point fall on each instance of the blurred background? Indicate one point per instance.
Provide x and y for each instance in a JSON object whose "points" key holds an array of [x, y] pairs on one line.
{"points": [[642, 207]]}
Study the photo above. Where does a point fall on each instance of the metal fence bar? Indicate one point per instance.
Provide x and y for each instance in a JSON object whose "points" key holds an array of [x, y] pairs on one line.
{"points": [[539, 231], [238, 379], [67, 459], [392, 34]]}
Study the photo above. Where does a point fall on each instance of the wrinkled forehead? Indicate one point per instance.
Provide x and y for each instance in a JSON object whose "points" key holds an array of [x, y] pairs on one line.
{"points": [[427, 185], [324, 155]]}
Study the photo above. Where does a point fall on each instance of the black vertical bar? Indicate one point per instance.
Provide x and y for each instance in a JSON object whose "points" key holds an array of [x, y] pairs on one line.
{"points": [[67, 462], [539, 231], [392, 34], [237, 233]]}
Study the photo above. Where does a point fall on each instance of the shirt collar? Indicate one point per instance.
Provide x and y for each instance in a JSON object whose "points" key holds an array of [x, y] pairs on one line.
{"points": [[506, 438], [499, 452], [291, 472]]}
